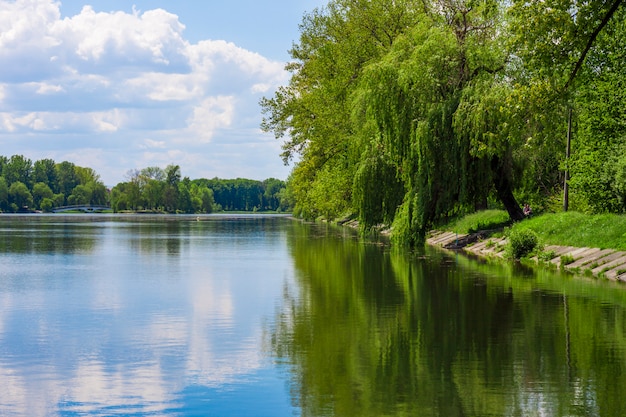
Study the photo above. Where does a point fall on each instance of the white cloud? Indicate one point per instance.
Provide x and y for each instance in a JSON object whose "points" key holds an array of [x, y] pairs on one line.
{"points": [[153, 144], [155, 35], [110, 80], [212, 114], [165, 87], [45, 88]]}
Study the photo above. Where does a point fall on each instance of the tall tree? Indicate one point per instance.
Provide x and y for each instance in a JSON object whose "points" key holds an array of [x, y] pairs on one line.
{"points": [[171, 190], [40, 192], [314, 109], [66, 177], [44, 170], [4, 194], [19, 196], [18, 169], [570, 57]]}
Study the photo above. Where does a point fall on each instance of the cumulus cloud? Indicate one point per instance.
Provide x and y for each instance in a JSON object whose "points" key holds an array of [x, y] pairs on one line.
{"points": [[109, 78]]}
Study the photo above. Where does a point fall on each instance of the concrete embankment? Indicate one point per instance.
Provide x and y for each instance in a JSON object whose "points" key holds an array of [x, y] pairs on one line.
{"points": [[606, 263]]}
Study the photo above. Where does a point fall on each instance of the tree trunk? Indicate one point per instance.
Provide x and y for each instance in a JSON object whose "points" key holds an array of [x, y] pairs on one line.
{"points": [[504, 189]]}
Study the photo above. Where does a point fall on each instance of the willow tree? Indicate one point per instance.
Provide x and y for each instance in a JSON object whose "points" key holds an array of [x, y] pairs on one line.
{"points": [[312, 113], [436, 99]]}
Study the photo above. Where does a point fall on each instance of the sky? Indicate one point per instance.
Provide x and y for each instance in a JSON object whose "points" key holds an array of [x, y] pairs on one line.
{"points": [[120, 85]]}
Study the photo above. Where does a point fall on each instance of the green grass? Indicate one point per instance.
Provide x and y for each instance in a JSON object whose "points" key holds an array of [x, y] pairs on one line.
{"points": [[481, 220], [604, 231]]}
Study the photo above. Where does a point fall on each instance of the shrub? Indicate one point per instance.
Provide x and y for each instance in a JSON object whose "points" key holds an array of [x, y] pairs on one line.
{"points": [[521, 243], [567, 259], [546, 256]]}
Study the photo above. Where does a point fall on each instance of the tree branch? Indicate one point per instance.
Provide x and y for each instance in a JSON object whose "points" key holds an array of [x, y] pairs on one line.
{"points": [[592, 38]]}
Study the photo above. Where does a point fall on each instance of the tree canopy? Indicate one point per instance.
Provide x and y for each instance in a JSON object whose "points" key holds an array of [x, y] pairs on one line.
{"points": [[404, 113]]}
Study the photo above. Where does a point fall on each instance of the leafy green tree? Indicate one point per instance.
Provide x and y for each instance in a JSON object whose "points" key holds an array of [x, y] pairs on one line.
{"points": [[202, 198], [99, 193], [170, 192], [40, 192], [18, 169], [553, 38], [185, 203], [439, 101], [66, 177], [44, 170], [58, 200], [4, 194], [153, 193], [336, 43], [3, 162], [81, 194], [153, 173], [172, 174], [414, 108], [47, 204], [86, 175], [119, 199], [600, 139], [271, 193], [570, 57], [19, 196], [125, 196]]}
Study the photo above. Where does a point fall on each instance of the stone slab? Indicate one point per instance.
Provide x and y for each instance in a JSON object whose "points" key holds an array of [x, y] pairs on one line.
{"points": [[591, 256], [565, 251], [615, 272], [616, 263], [443, 239]]}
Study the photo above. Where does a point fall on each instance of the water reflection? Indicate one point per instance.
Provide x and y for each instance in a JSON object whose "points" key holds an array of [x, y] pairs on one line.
{"points": [[262, 316], [371, 333], [144, 319]]}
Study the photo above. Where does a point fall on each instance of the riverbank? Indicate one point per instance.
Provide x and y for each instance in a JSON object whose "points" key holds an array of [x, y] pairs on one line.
{"points": [[600, 252]]}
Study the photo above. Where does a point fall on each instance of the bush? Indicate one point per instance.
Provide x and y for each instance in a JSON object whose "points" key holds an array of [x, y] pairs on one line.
{"points": [[521, 243], [46, 205]]}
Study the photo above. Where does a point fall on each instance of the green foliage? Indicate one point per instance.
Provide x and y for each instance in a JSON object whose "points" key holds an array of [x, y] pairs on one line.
{"points": [[521, 243], [566, 259], [81, 194], [546, 256], [335, 332], [40, 192], [619, 181], [377, 191], [4, 195], [578, 229], [448, 105], [407, 231], [480, 220], [155, 189], [20, 196], [18, 169], [46, 205]]}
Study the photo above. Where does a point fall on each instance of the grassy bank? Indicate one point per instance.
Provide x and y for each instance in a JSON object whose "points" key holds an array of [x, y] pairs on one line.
{"points": [[604, 231]]}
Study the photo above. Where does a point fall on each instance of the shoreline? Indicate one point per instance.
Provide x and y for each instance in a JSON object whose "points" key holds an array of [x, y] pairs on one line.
{"points": [[601, 263]]}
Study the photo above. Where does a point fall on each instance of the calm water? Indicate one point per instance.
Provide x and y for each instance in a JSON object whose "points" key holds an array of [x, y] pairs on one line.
{"points": [[265, 316]]}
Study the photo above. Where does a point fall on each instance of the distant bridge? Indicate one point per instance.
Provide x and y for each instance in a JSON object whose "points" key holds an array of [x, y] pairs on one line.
{"points": [[86, 208]]}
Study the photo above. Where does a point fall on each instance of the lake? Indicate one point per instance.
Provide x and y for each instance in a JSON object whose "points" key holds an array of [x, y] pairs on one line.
{"points": [[261, 315]]}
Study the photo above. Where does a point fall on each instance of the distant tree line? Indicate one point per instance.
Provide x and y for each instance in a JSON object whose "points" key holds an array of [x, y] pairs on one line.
{"points": [[45, 184], [156, 189]]}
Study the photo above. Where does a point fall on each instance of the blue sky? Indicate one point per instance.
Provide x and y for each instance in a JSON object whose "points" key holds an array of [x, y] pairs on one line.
{"points": [[117, 85]]}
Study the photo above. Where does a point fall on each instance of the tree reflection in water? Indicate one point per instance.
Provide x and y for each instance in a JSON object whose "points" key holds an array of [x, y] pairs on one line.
{"points": [[372, 332]]}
